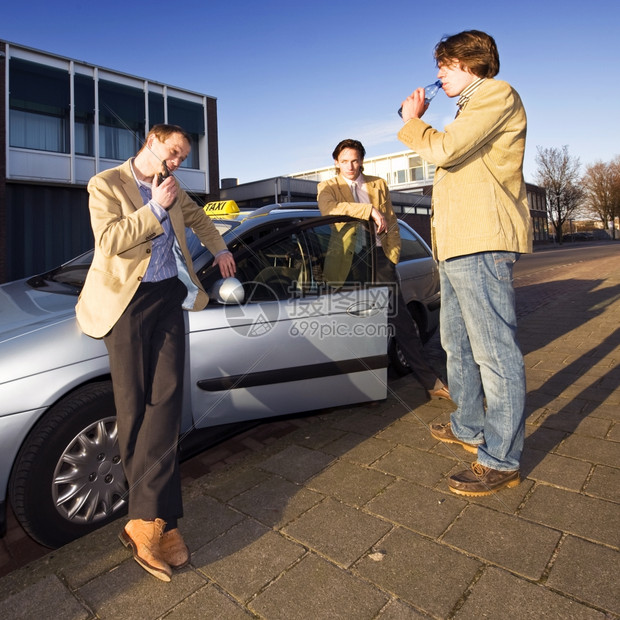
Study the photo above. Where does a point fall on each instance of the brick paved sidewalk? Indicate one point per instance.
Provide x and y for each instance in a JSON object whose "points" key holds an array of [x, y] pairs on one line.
{"points": [[349, 515]]}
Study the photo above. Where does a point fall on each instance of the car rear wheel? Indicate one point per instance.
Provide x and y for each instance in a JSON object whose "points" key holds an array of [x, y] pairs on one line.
{"points": [[68, 478], [398, 361]]}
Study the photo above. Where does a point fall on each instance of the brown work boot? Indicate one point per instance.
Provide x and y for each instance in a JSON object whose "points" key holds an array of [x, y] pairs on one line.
{"points": [[144, 538], [443, 432], [441, 392], [481, 480], [173, 549]]}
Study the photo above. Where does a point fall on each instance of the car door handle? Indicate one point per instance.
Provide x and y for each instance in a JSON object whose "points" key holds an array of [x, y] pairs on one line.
{"points": [[363, 309]]}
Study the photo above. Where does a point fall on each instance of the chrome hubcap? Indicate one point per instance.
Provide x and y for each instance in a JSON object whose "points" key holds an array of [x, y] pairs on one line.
{"points": [[89, 483]]}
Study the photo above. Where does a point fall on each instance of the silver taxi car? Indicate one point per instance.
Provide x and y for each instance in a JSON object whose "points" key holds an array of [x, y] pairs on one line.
{"points": [[277, 339]]}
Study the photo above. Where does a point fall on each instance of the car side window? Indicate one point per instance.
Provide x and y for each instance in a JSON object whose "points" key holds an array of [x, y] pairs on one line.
{"points": [[340, 255], [271, 271], [309, 257], [411, 246]]}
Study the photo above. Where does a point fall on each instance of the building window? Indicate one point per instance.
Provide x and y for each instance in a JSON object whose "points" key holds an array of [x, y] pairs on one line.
{"points": [[39, 106], [189, 116], [400, 176], [156, 109], [121, 120], [84, 97], [416, 168]]}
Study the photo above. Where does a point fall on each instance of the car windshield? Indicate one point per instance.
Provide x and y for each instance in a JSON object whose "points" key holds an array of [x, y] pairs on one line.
{"points": [[69, 278]]}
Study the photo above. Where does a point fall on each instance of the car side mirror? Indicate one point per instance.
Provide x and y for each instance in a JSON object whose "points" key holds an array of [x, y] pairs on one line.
{"points": [[227, 291]]}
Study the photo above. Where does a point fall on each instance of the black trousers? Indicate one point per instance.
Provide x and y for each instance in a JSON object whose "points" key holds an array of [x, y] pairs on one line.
{"points": [[403, 325], [147, 354]]}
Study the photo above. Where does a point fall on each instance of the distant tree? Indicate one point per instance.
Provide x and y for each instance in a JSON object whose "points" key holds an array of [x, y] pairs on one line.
{"points": [[601, 184], [558, 173]]}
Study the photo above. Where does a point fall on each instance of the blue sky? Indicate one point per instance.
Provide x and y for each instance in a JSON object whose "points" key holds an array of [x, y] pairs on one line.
{"points": [[293, 78]]}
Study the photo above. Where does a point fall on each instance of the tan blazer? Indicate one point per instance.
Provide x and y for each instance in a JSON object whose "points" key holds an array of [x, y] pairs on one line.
{"points": [[335, 198], [123, 228], [479, 198]]}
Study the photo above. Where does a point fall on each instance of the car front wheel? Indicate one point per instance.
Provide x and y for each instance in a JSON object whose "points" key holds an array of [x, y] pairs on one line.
{"points": [[68, 478]]}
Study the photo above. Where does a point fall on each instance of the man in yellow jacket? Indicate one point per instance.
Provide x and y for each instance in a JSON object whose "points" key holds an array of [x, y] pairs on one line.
{"points": [[480, 226], [365, 197], [140, 280]]}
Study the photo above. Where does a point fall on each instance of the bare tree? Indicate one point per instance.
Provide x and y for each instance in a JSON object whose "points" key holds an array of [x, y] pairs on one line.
{"points": [[614, 169], [558, 173], [601, 183]]}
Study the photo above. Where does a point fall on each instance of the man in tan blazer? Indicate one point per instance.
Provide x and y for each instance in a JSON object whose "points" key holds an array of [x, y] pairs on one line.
{"points": [[366, 197], [481, 224], [140, 280]]}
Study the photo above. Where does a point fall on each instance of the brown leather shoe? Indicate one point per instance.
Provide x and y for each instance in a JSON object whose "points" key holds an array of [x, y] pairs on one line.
{"points": [[440, 393], [144, 538], [481, 480], [173, 549], [443, 432]]}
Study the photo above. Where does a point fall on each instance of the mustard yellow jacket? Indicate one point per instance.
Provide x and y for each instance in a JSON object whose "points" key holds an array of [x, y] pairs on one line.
{"points": [[123, 228], [479, 198], [335, 198]]}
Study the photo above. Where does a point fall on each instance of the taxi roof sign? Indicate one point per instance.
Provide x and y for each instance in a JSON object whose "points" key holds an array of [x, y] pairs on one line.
{"points": [[221, 207]]}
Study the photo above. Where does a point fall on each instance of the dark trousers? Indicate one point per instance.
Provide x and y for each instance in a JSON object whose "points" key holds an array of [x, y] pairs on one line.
{"points": [[404, 328], [147, 354]]}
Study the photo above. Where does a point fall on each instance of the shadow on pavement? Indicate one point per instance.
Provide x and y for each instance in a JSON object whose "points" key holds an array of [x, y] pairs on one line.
{"points": [[577, 408]]}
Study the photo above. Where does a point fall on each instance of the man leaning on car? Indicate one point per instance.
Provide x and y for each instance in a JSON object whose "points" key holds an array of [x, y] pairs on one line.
{"points": [[140, 280], [352, 193]]}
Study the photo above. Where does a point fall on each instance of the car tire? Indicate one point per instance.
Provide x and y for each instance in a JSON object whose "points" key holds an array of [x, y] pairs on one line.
{"points": [[68, 478], [398, 362]]}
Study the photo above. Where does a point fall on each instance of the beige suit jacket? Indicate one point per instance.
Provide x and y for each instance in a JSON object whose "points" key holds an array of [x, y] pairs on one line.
{"points": [[123, 228], [479, 198], [335, 198]]}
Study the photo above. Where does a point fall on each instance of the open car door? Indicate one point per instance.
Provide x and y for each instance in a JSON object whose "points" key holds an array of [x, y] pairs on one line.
{"points": [[310, 333]]}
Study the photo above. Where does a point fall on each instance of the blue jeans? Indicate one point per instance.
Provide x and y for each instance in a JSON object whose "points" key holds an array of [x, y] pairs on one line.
{"points": [[479, 335]]}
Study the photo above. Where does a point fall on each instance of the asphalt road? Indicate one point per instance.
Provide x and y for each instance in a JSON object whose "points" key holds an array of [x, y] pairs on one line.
{"points": [[544, 261], [557, 270]]}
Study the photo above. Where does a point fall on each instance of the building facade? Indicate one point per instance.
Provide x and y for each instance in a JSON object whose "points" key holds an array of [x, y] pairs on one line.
{"points": [[61, 122], [414, 209], [404, 172], [407, 172]]}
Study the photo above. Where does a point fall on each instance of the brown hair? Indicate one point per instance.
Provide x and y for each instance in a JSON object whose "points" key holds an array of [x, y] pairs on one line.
{"points": [[474, 49], [163, 131], [349, 143]]}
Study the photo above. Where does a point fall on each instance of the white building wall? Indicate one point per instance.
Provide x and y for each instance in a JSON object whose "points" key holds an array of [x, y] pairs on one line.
{"points": [[400, 170]]}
